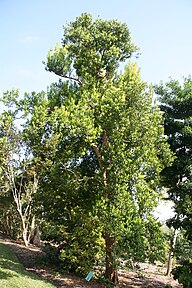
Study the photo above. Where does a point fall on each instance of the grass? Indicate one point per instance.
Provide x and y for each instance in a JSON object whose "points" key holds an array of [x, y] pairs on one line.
{"points": [[13, 274]]}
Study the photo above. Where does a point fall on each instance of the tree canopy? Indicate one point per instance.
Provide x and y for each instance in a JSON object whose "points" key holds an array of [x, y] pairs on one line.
{"points": [[91, 50], [176, 102]]}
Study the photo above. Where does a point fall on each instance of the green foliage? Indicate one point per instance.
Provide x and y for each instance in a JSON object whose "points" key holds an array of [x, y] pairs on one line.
{"points": [[90, 49], [183, 248], [144, 240], [183, 254], [9, 220], [80, 243], [51, 255], [27, 150], [176, 103], [52, 231], [183, 273]]}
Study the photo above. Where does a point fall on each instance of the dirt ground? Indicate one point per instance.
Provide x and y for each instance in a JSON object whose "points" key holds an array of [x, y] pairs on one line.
{"points": [[149, 276]]}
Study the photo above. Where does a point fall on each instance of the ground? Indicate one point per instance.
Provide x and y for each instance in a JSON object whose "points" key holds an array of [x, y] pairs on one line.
{"points": [[148, 276]]}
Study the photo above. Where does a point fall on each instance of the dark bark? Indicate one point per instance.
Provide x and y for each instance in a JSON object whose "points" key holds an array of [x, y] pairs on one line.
{"points": [[110, 268]]}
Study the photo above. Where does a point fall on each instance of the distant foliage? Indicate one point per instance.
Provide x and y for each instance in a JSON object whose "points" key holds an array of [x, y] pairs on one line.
{"points": [[176, 103]]}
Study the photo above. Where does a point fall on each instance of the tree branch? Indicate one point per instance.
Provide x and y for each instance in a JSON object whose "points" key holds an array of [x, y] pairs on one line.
{"points": [[70, 78], [104, 175]]}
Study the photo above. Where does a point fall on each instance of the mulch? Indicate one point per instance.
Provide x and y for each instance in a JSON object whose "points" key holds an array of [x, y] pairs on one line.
{"points": [[149, 276]]}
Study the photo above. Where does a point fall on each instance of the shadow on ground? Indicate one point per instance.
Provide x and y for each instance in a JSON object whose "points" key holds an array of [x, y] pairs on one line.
{"points": [[29, 256]]}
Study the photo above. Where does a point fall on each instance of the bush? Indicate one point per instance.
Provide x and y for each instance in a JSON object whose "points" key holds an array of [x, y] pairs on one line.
{"points": [[51, 254], [78, 245], [83, 248], [183, 273]]}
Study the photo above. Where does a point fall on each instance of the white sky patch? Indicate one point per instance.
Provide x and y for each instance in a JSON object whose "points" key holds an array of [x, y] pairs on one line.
{"points": [[164, 210], [28, 39]]}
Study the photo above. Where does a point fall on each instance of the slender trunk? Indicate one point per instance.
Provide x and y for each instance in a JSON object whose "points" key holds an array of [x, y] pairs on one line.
{"points": [[110, 269], [23, 225], [171, 254], [32, 230], [25, 233]]}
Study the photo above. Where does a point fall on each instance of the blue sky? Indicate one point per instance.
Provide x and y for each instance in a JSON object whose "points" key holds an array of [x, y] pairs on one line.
{"points": [[161, 28]]}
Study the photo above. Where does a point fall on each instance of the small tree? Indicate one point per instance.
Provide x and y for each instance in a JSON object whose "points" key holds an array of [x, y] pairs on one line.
{"points": [[14, 164], [21, 158]]}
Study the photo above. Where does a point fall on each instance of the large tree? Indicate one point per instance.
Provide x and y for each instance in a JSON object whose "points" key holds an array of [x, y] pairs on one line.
{"points": [[176, 103], [111, 125]]}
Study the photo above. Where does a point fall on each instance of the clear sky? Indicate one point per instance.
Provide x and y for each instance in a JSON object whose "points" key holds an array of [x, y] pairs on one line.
{"points": [[29, 28]]}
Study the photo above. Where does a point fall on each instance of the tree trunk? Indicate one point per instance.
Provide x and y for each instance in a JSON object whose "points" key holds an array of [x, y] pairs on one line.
{"points": [[24, 228], [25, 238], [171, 254], [34, 237], [110, 268]]}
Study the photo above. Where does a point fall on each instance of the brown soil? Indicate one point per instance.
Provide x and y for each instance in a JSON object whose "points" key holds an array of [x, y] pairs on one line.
{"points": [[149, 276]]}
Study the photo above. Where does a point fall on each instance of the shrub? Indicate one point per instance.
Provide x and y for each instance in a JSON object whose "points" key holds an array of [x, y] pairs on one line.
{"points": [[51, 254], [82, 250], [183, 273]]}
